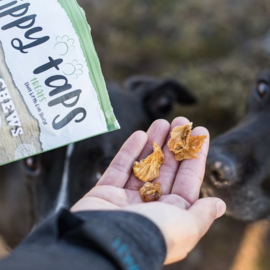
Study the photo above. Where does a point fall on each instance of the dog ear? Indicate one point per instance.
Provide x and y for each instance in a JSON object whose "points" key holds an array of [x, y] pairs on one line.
{"points": [[136, 83], [159, 95]]}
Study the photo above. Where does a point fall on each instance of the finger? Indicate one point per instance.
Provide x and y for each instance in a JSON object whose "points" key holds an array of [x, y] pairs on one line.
{"points": [[175, 200], [170, 166], [205, 211], [120, 168], [157, 132], [190, 174]]}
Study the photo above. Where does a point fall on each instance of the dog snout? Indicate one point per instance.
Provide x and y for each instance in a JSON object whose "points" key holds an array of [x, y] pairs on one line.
{"points": [[220, 170]]}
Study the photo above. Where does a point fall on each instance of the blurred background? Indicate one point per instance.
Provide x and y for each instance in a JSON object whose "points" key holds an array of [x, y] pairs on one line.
{"points": [[216, 49]]}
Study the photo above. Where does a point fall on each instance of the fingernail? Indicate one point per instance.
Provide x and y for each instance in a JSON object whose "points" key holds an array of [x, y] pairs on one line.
{"points": [[221, 208]]}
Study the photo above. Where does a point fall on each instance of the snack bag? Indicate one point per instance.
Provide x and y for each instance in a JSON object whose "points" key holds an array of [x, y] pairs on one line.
{"points": [[52, 91]]}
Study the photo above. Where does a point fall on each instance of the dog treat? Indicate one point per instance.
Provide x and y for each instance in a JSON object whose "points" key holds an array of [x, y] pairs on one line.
{"points": [[148, 168], [52, 91], [150, 192], [182, 145]]}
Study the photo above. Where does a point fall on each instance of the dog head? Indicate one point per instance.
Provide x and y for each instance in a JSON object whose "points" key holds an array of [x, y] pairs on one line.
{"points": [[238, 166]]}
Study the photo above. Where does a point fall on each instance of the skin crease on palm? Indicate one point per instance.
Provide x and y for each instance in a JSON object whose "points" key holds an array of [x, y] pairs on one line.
{"points": [[180, 215]]}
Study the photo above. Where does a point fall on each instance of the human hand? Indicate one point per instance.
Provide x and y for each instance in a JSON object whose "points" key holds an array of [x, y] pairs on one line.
{"points": [[181, 216]]}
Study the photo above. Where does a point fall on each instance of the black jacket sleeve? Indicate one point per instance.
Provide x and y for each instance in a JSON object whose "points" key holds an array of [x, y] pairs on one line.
{"points": [[94, 240]]}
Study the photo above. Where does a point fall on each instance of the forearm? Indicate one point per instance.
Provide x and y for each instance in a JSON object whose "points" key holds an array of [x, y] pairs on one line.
{"points": [[91, 240]]}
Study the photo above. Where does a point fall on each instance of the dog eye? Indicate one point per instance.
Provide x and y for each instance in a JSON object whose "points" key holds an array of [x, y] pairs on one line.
{"points": [[31, 164], [262, 88]]}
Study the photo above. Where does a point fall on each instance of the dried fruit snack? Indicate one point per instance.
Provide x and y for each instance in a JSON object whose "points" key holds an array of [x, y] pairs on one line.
{"points": [[182, 145], [150, 192], [52, 91], [148, 168]]}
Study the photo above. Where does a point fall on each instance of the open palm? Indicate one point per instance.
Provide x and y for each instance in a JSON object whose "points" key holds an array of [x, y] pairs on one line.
{"points": [[180, 215], [180, 183]]}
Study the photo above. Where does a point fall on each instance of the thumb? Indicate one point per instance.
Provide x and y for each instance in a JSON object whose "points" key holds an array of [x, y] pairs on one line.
{"points": [[206, 211]]}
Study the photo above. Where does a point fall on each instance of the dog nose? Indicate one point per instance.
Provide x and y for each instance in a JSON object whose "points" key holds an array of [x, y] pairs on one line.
{"points": [[220, 171]]}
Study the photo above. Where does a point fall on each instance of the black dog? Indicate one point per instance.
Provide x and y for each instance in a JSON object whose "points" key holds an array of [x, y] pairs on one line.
{"points": [[238, 167], [38, 186]]}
